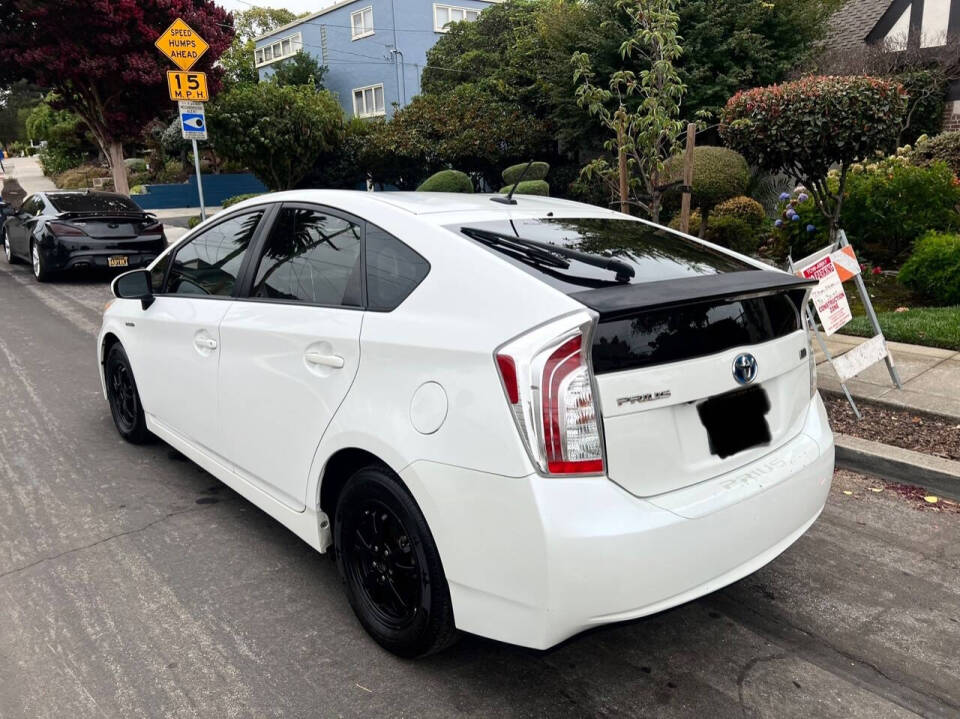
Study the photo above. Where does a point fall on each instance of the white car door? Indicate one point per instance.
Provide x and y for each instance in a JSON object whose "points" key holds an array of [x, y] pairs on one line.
{"points": [[176, 340], [292, 348]]}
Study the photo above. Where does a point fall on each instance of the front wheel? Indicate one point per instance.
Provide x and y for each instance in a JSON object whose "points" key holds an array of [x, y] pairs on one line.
{"points": [[123, 397], [40, 271], [7, 249], [390, 564]]}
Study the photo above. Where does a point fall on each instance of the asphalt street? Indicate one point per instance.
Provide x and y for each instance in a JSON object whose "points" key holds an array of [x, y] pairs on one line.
{"points": [[133, 584]]}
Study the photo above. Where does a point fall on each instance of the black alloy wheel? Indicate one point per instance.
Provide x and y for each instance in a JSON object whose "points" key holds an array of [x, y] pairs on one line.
{"points": [[388, 559], [123, 397]]}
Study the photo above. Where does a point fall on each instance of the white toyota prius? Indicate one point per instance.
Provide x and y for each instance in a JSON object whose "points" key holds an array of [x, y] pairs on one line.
{"points": [[518, 418]]}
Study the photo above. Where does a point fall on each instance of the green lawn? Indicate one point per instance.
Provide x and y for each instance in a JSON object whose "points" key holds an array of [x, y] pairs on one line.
{"points": [[931, 326]]}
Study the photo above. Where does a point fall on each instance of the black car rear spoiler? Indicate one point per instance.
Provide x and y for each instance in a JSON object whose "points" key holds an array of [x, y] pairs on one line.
{"points": [[614, 302], [92, 214]]}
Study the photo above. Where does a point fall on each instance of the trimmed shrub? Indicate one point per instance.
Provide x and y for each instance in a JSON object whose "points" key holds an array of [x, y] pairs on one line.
{"points": [[945, 147], [135, 164], [80, 178], [231, 201], [537, 171], [933, 269], [193, 221], [742, 208], [718, 174], [529, 187], [447, 181], [891, 203], [138, 190]]}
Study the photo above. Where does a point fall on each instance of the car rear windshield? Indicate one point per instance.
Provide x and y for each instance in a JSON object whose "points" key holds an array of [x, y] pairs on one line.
{"points": [[679, 333], [597, 252], [90, 202]]}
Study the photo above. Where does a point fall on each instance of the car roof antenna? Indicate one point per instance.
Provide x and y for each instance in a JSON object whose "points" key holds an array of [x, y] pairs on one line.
{"points": [[508, 200]]}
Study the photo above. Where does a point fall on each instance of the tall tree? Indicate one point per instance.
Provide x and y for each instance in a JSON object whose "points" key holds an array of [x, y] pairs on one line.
{"points": [[644, 138], [99, 56], [301, 69], [237, 61]]}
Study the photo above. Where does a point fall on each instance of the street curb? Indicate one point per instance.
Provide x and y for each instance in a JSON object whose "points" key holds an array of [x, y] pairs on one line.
{"points": [[898, 465]]}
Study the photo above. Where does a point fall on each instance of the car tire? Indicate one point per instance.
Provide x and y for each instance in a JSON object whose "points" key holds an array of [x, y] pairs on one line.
{"points": [[40, 272], [391, 567], [12, 259], [124, 399]]}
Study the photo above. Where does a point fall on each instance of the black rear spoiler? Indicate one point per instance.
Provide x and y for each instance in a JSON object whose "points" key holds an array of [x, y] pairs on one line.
{"points": [[94, 215], [623, 300]]}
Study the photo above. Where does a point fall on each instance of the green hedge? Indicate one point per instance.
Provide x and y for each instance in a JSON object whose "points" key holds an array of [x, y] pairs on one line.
{"points": [[529, 187], [718, 174], [934, 268], [537, 171], [944, 147], [230, 201], [447, 181]]}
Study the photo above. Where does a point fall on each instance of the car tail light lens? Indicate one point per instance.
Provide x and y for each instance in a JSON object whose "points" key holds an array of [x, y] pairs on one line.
{"points": [[153, 228], [62, 229], [549, 386]]}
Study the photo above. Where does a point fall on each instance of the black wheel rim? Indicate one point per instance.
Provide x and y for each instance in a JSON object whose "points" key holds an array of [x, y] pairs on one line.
{"points": [[123, 397], [383, 565]]}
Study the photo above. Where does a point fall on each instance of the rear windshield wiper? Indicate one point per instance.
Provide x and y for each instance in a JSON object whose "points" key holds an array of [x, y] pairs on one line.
{"points": [[623, 271], [512, 245]]}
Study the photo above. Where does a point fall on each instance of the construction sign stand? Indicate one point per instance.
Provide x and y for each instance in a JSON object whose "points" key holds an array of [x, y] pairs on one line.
{"points": [[832, 266], [184, 47]]}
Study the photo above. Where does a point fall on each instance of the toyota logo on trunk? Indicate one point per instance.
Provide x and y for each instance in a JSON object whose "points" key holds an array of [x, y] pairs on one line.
{"points": [[745, 368]]}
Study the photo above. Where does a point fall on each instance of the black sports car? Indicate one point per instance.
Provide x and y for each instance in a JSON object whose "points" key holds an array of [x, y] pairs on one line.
{"points": [[65, 230]]}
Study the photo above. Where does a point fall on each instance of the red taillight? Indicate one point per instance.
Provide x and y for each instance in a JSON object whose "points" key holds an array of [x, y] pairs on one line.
{"points": [[62, 229], [508, 373], [155, 228], [550, 391]]}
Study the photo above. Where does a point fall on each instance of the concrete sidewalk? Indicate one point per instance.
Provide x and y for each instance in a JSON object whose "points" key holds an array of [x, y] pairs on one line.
{"points": [[930, 377]]}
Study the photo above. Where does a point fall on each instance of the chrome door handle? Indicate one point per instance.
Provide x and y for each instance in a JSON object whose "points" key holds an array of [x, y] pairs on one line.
{"points": [[206, 343], [335, 361]]}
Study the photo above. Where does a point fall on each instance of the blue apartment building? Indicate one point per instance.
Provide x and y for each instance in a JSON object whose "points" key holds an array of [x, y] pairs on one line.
{"points": [[375, 50]]}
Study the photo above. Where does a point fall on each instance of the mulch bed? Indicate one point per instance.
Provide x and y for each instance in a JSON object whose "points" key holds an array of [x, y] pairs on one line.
{"points": [[898, 427]]}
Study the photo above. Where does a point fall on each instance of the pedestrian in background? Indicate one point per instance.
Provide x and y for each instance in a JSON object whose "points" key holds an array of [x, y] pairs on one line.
{"points": [[3, 156]]}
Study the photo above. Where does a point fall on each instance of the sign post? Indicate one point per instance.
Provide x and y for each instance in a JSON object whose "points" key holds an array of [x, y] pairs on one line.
{"points": [[193, 125], [189, 89]]}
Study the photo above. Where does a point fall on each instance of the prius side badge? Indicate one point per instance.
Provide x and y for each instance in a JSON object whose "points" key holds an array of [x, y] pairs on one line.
{"points": [[641, 398]]}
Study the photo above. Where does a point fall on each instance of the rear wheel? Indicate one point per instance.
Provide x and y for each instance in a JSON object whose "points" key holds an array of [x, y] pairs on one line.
{"points": [[388, 559], [123, 397], [40, 272], [7, 249]]}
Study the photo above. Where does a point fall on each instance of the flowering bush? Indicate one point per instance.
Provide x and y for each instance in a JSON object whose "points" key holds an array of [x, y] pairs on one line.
{"points": [[889, 203], [803, 128], [800, 227]]}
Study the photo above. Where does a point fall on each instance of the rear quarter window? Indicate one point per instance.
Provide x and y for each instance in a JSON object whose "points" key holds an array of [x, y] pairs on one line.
{"points": [[393, 270]]}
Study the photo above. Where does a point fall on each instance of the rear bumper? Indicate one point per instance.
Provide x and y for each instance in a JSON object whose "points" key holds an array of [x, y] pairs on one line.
{"points": [[534, 561], [66, 255]]}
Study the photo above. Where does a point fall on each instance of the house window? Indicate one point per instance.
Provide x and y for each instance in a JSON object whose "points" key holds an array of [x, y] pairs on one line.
{"points": [[278, 49], [361, 23], [443, 15], [368, 101]]}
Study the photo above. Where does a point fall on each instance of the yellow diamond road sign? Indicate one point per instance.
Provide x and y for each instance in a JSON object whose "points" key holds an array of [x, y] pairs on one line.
{"points": [[181, 44]]}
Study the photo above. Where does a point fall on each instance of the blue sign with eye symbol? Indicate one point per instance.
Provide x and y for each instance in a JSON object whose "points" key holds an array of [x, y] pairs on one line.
{"points": [[192, 122]]}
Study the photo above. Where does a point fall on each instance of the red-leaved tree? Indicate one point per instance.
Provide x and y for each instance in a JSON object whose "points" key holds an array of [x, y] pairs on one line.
{"points": [[99, 56]]}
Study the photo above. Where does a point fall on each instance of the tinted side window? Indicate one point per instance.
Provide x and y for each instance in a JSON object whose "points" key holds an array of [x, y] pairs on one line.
{"points": [[159, 272], [393, 270], [313, 257], [209, 263]]}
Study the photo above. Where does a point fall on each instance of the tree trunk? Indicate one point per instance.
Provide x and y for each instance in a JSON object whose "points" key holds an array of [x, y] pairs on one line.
{"points": [[120, 183], [622, 171]]}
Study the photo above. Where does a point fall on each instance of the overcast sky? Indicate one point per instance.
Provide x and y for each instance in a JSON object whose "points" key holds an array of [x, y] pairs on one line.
{"points": [[296, 6]]}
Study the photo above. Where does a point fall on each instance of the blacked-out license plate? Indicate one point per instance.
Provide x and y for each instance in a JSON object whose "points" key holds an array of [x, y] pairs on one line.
{"points": [[736, 421], [117, 261]]}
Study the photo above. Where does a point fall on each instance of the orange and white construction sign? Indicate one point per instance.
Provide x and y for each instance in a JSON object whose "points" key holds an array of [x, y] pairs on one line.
{"points": [[846, 263], [828, 296]]}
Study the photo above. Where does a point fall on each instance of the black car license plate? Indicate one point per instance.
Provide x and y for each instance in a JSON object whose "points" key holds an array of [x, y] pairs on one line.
{"points": [[736, 421], [118, 261]]}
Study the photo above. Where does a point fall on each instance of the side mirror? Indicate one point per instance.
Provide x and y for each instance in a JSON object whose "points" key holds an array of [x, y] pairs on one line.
{"points": [[134, 285]]}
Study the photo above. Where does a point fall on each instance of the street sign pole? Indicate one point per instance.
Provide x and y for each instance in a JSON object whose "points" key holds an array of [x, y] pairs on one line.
{"points": [[196, 163]]}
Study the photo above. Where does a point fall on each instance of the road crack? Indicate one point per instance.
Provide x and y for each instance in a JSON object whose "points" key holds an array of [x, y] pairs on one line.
{"points": [[104, 540]]}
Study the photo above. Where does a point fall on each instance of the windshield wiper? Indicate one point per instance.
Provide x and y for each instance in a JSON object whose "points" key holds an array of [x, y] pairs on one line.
{"points": [[624, 272], [516, 246]]}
